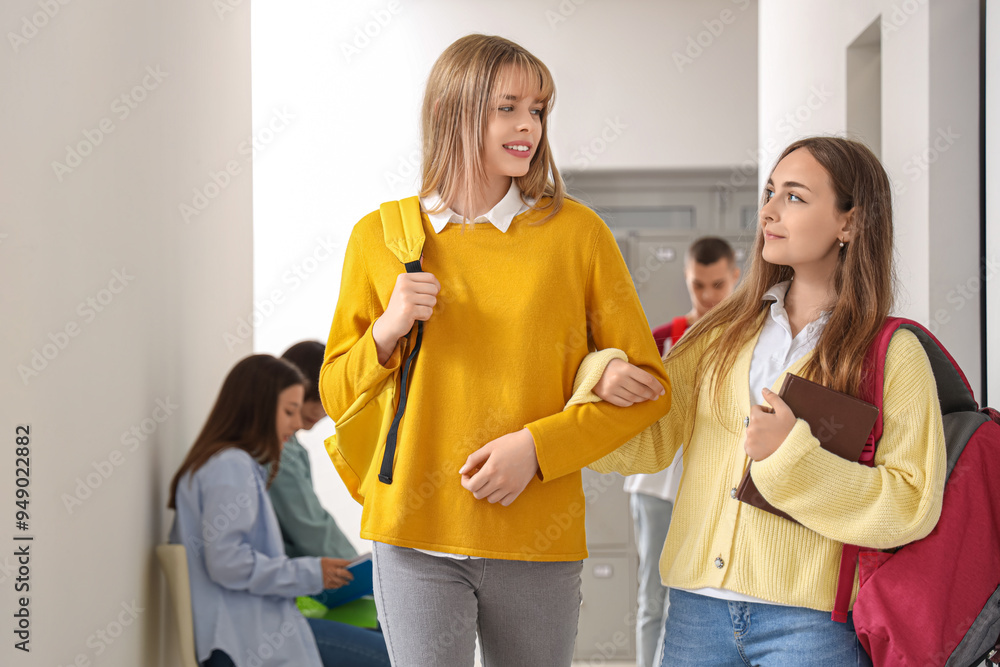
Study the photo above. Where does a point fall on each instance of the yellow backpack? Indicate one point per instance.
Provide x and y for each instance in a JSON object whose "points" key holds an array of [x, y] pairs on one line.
{"points": [[370, 425]]}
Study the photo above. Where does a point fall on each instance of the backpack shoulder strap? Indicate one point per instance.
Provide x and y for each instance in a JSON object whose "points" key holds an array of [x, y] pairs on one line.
{"points": [[954, 393], [404, 236], [403, 230]]}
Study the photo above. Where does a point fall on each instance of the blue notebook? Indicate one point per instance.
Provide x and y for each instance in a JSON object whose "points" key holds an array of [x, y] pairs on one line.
{"points": [[361, 568]]}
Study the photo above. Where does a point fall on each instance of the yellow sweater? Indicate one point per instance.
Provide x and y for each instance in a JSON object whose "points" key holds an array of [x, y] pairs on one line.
{"points": [[837, 501], [500, 353]]}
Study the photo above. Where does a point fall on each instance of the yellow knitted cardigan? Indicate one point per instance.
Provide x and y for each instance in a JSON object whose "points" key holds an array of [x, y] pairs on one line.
{"points": [[717, 541]]}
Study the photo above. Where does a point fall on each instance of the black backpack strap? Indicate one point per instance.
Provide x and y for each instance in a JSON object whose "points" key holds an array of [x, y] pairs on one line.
{"points": [[388, 457]]}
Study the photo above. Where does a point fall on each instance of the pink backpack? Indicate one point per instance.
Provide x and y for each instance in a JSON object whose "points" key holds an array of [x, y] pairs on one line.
{"points": [[935, 601]]}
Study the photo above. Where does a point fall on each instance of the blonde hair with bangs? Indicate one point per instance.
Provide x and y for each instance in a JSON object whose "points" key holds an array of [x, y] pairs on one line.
{"points": [[463, 91]]}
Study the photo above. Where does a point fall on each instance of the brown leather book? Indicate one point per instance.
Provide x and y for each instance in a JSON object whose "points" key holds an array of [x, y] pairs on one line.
{"points": [[841, 423]]}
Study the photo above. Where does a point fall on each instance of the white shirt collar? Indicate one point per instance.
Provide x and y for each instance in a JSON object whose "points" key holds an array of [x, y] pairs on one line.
{"points": [[500, 216], [780, 315]]}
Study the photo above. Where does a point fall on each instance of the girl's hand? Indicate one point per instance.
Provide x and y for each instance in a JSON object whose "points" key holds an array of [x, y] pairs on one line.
{"points": [[768, 428], [413, 298], [500, 469], [335, 572], [623, 384]]}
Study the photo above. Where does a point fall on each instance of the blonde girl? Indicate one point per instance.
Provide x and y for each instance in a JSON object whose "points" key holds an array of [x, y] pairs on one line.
{"points": [[748, 587], [481, 530]]}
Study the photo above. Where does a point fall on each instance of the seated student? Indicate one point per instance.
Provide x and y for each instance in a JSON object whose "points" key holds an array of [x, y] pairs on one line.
{"points": [[711, 274], [307, 528], [243, 586]]}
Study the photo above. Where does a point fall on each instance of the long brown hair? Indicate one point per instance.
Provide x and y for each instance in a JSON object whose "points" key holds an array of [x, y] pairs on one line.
{"points": [[462, 93], [863, 279], [244, 415]]}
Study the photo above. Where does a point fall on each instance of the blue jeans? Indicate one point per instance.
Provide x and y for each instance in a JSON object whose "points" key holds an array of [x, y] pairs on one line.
{"points": [[707, 631], [651, 519], [340, 645]]}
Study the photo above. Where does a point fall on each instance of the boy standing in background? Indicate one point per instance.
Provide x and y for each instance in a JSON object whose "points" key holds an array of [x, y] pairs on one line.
{"points": [[711, 274]]}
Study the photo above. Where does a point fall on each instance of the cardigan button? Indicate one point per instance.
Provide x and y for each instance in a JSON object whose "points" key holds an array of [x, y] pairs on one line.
{"points": [[732, 493], [719, 563]]}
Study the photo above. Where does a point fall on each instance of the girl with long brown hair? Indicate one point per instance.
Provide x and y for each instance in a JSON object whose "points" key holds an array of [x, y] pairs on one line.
{"points": [[243, 586], [480, 529], [746, 586]]}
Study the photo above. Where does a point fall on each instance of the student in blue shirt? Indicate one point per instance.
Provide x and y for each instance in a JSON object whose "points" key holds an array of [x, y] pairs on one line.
{"points": [[243, 586]]}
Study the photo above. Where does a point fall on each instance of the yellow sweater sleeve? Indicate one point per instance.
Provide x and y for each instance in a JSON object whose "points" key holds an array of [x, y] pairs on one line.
{"points": [[653, 449], [569, 440], [351, 365], [896, 502]]}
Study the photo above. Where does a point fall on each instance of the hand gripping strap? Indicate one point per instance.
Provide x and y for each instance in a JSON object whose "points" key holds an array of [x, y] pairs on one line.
{"points": [[404, 236]]}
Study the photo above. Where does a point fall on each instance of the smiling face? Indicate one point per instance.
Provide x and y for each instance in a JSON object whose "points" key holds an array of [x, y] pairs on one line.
{"points": [[514, 127], [289, 407], [801, 223]]}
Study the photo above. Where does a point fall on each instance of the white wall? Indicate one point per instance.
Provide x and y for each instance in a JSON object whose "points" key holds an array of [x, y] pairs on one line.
{"points": [[930, 136], [158, 336], [640, 84]]}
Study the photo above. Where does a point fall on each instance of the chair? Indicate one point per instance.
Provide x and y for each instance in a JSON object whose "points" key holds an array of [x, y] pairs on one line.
{"points": [[173, 562]]}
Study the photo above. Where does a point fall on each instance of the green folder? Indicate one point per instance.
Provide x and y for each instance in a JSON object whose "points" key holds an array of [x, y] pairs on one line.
{"points": [[360, 612]]}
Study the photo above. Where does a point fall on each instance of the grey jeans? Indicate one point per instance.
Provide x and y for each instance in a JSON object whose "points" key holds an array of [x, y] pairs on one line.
{"points": [[431, 609]]}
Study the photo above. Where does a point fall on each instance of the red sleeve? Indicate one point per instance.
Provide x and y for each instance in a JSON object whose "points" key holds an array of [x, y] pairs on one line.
{"points": [[679, 325], [661, 334]]}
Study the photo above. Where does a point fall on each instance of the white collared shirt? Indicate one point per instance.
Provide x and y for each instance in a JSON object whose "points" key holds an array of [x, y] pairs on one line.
{"points": [[776, 351], [500, 216], [776, 348]]}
